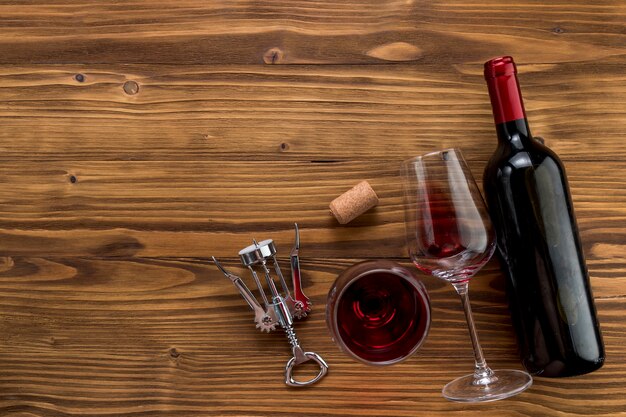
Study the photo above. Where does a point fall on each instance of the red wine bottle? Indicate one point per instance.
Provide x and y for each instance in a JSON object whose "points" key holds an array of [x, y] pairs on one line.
{"points": [[538, 242]]}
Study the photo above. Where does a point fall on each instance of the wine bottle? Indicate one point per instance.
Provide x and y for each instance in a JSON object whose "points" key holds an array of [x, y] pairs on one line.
{"points": [[547, 282]]}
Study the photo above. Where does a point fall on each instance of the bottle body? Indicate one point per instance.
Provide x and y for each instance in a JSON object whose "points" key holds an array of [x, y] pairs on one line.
{"points": [[539, 245]]}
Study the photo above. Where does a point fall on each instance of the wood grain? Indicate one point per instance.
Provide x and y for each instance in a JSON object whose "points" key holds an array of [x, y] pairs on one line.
{"points": [[195, 209], [104, 312], [136, 140], [311, 113], [171, 337], [278, 31]]}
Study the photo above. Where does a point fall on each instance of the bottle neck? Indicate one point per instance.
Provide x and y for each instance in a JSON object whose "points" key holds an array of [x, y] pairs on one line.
{"points": [[506, 100], [515, 132]]}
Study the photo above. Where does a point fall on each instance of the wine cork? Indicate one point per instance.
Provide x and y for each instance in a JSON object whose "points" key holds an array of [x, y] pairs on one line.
{"points": [[354, 202]]}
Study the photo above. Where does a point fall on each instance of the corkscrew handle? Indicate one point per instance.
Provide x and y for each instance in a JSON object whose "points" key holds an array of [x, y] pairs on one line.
{"points": [[243, 289], [264, 319], [304, 304]]}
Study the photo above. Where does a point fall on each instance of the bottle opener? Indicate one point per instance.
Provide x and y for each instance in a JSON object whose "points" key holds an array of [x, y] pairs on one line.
{"points": [[280, 306]]}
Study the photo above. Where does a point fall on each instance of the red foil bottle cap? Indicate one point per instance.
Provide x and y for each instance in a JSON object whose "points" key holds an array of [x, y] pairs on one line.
{"points": [[504, 91], [496, 67]]}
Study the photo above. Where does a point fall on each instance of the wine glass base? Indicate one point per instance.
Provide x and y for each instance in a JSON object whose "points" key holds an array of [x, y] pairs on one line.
{"points": [[509, 382]]}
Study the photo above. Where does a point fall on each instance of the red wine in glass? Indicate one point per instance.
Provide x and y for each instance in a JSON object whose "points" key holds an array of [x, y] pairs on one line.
{"points": [[378, 312], [450, 236], [447, 237]]}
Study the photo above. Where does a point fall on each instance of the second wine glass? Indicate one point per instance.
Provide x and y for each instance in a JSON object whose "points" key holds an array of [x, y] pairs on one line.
{"points": [[450, 236]]}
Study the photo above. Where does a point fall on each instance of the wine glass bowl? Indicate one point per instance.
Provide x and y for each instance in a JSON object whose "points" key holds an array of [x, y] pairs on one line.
{"points": [[450, 236], [378, 312]]}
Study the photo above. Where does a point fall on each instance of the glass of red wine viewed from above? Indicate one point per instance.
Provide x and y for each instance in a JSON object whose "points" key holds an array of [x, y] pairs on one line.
{"points": [[378, 312], [450, 236]]}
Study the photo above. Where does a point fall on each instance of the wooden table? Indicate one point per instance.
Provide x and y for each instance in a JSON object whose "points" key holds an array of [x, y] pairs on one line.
{"points": [[139, 138]]}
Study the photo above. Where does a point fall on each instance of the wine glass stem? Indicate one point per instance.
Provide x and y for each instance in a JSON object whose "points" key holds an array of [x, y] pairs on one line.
{"points": [[482, 373]]}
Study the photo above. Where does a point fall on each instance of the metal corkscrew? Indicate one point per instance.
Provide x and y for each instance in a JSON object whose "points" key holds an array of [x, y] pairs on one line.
{"points": [[280, 307]]}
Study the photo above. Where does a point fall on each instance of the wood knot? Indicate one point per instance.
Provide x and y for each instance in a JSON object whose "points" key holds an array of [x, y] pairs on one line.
{"points": [[284, 146], [174, 354], [6, 263], [396, 51], [131, 88], [79, 77], [73, 179], [558, 30], [273, 56]]}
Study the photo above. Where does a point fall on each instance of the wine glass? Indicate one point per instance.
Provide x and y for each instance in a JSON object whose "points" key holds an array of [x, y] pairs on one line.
{"points": [[378, 312], [450, 236]]}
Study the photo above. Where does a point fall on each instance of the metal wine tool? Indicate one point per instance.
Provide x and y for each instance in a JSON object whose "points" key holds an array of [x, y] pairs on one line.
{"points": [[280, 307], [265, 320], [303, 304]]}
